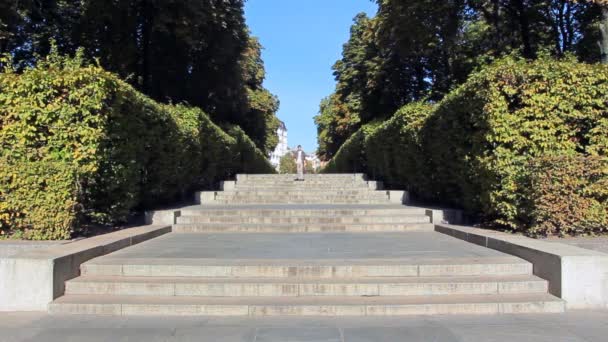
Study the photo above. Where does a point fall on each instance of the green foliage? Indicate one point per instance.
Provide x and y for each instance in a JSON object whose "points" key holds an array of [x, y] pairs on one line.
{"points": [[335, 123], [78, 145], [308, 168], [179, 51], [352, 156], [473, 149], [394, 150], [566, 195], [423, 49], [261, 122], [287, 164]]}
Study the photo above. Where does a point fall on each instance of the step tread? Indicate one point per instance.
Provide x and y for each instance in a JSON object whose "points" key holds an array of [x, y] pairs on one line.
{"points": [[297, 224], [307, 300], [320, 281], [415, 261], [321, 215]]}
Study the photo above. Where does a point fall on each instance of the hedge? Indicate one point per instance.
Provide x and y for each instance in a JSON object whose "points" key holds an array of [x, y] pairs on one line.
{"points": [[80, 146], [474, 148]]}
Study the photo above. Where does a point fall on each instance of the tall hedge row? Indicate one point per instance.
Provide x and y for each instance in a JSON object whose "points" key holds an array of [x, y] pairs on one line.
{"points": [[78, 145], [489, 145]]}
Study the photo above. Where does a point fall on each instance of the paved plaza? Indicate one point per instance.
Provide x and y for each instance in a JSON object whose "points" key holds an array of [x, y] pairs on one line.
{"points": [[573, 326]]}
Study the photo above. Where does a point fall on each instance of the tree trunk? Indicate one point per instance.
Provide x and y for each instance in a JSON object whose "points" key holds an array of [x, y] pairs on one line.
{"points": [[603, 43], [524, 27]]}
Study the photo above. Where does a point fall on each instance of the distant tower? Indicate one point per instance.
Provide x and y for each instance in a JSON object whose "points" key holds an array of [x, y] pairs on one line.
{"points": [[281, 148]]}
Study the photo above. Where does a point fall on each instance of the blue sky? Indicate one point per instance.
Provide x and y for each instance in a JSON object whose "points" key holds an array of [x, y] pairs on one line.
{"points": [[302, 40]]}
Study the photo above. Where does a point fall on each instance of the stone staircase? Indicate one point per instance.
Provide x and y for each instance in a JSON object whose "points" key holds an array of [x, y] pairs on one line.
{"points": [[317, 189], [328, 246]]}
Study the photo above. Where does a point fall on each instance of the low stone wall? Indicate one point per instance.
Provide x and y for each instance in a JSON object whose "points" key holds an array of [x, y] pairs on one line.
{"points": [[12, 247], [31, 279], [577, 275]]}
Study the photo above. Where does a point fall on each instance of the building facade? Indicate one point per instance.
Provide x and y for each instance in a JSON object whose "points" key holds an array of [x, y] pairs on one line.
{"points": [[282, 147]]}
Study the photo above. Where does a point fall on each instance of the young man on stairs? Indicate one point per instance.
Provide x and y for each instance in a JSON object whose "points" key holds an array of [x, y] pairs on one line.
{"points": [[300, 158]]}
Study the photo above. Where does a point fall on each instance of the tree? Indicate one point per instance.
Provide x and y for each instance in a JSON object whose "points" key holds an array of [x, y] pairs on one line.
{"points": [[603, 28], [421, 49], [195, 52], [261, 122], [287, 164], [308, 168]]}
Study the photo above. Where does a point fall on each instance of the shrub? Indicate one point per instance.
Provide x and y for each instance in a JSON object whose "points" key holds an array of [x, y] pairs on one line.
{"points": [[473, 149], [351, 155], [394, 151], [287, 164], [481, 137], [566, 195], [78, 145]]}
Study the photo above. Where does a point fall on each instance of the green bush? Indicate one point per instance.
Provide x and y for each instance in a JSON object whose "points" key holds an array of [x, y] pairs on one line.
{"points": [[287, 164], [566, 195], [473, 149], [78, 145], [394, 151], [351, 155]]}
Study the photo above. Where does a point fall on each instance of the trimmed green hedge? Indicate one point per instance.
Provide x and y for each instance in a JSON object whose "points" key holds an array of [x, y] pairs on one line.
{"points": [[473, 149], [78, 145]]}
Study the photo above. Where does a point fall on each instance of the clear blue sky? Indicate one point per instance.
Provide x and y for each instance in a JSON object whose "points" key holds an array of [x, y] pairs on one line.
{"points": [[302, 40]]}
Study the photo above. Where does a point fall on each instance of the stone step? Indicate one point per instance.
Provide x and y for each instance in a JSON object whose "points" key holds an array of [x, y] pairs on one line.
{"points": [[311, 193], [303, 211], [248, 287], [300, 195], [376, 219], [301, 186], [301, 227], [309, 175], [307, 268], [306, 306], [289, 200]]}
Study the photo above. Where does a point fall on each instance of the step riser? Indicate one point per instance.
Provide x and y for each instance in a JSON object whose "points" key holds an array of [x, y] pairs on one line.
{"points": [[306, 310], [300, 188], [294, 290], [300, 220], [306, 182], [325, 272], [308, 193], [235, 197], [291, 201], [304, 212], [183, 229]]}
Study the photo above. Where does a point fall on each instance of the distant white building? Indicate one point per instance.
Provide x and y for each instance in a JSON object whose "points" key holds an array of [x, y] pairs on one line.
{"points": [[282, 148]]}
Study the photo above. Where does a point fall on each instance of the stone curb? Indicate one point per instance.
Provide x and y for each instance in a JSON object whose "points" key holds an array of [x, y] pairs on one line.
{"points": [[30, 280], [577, 275]]}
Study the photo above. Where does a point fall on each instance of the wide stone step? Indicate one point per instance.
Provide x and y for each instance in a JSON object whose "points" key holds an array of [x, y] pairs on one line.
{"points": [[300, 187], [289, 200], [302, 211], [376, 219], [322, 192], [306, 306], [301, 227], [300, 195], [280, 287], [309, 176], [302, 268]]}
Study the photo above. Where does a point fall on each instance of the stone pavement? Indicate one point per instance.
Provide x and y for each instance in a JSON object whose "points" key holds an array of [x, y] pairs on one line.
{"points": [[599, 243], [574, 326], [304, 246]]}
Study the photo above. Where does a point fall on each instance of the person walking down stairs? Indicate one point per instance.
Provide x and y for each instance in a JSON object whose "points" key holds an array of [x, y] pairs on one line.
{"points": [[300, 158]]}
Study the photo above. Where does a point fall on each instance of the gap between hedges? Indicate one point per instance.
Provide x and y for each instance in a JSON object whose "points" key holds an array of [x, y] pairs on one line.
{"points": [[507, 146], [80, 146]]}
